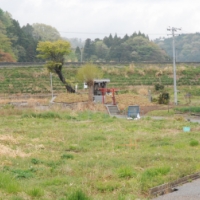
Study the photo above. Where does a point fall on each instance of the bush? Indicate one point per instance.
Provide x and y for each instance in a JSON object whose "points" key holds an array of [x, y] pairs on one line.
{"points": [[158, 86], [163, 98]]}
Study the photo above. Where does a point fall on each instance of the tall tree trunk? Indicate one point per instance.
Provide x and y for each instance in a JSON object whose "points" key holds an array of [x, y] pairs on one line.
{"points": [[61, 77], [90, 93]]}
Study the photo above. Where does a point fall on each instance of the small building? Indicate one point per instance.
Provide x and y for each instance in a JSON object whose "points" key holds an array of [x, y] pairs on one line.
{"points": [[97, 94]]}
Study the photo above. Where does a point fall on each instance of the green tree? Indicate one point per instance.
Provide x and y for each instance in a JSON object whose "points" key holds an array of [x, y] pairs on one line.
{"points": [[29, 44], [78, 53], [5, 41], [54, 53], [45, 32], [88, 50], [87, 73], [101, 50]]}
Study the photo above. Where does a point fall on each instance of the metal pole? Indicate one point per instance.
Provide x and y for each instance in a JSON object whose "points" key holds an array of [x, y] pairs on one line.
{"points": [[51, 85], [174, 62], [174, 69]]}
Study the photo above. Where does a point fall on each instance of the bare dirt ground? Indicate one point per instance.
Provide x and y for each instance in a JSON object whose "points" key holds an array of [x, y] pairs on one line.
{"points": [[79, 102]]}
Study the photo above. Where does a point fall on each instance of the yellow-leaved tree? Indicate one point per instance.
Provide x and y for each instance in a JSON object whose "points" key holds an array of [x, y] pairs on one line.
{"points": [[87, 73], [53, 53]]}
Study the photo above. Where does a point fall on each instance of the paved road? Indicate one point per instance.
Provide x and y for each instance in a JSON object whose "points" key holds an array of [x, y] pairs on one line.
{"points": [[188, 191]]}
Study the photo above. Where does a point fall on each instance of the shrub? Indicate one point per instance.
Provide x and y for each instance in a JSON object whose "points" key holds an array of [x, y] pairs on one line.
{"points": [[158, 86], [163, 98]]}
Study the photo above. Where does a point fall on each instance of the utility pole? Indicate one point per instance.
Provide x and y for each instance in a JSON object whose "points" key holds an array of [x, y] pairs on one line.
{"points": [[173, 30]]}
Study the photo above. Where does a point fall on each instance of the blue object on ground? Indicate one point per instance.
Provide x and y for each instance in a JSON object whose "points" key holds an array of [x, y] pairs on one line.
{"points": [[186, 129], [133, 111]]}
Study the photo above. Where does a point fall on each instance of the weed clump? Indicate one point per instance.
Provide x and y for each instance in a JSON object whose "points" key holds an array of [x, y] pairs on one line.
{"points": [[43, 115], [36, 192], [67, 156], [8, 183], [150, 175], [107, 186], [35, 161], [194, 143], [19, 173], [78, 195], [126, 172]]}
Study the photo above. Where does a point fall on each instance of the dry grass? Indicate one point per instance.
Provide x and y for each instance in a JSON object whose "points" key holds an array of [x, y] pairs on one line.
{"points": [[36, 74], [71, 98], [30, 101], [141, 72], [8, 139], [180, 69], [159, 73], [142, 91], [123, 100], [151, 69], [168, 70], [8, 152]]}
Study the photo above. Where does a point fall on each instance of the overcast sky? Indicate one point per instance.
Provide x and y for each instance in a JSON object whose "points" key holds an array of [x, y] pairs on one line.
{"points": [[98, 18]]}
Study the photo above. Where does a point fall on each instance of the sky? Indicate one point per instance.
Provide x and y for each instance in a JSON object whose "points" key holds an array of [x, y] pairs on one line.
{"points": [[98, 18]]}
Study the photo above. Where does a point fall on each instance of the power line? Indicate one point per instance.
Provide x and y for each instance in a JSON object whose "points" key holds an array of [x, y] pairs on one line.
{"points": [[101, 33]]}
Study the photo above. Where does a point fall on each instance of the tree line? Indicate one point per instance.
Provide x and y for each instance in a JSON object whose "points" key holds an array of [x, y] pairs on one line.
{"points": [[20, 43], [136, 47], [187, 47]]}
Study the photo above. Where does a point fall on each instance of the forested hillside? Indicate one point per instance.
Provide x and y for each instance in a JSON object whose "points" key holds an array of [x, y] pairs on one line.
{"points": [[187, 47], [136, 47], [19, 43]]}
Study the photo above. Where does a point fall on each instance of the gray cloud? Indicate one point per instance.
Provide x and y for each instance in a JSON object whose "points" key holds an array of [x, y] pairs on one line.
{"points": [[98, 18]]}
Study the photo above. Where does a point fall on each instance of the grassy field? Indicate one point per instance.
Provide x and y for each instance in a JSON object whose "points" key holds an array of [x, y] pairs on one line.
{"points": [[68, 155]]}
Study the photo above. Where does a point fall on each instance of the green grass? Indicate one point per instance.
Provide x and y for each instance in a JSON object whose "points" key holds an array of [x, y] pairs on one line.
{"points": [[36, 192], [188, 109], [8, 184], [89, 155]]}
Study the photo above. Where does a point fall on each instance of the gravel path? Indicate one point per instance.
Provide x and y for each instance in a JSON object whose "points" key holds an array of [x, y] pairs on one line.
{"points": [[188, 191]]}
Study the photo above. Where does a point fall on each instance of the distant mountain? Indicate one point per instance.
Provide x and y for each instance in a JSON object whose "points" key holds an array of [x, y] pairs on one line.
{"points": [[187, 47]]}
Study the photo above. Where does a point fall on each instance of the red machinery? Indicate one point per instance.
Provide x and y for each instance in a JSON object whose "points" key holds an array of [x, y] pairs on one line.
{"points": [[104, 90]]}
